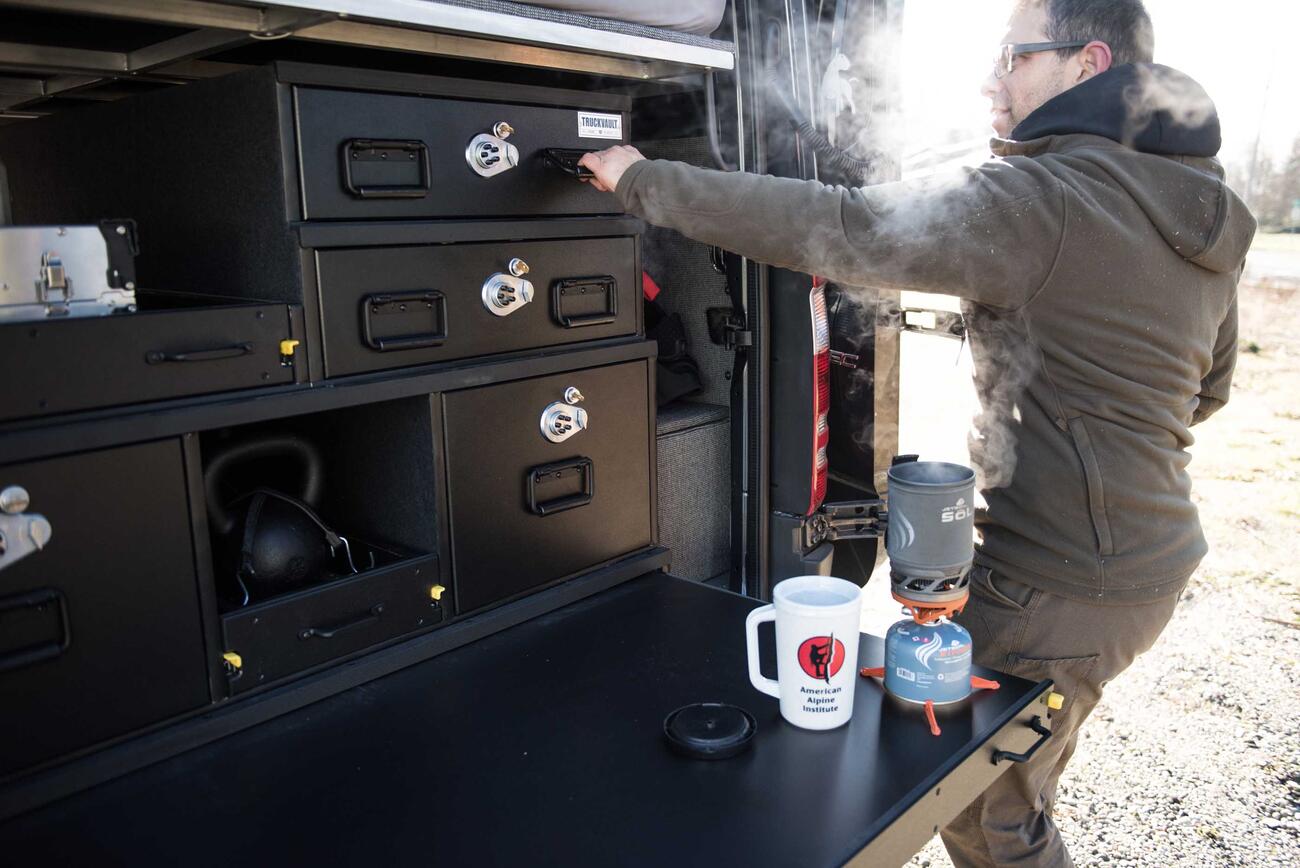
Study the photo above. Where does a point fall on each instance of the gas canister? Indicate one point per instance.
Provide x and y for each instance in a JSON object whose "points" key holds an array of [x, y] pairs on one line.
{"points": [[928, 662]]}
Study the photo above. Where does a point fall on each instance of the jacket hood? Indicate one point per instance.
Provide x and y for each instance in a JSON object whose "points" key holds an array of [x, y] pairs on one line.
{"points": [[1145, 106], [1159, 111]]}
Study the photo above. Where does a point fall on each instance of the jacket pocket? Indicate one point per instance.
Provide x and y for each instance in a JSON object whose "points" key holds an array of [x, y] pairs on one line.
{"points": [[1092, 478]]}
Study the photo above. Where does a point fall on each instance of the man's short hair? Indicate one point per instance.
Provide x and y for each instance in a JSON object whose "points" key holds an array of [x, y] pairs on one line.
{"points": [[1122, 24]]}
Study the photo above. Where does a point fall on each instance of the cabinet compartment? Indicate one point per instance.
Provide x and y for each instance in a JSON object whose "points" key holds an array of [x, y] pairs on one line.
{"points": [[298, 631], [371, 155], [100, 631], [324, 536], [526, 511], [390, 307], [174, 346]]}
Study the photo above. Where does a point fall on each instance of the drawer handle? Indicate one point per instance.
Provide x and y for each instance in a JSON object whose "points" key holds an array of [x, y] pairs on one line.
{"points": [[234, 351], [391, 151], [1036, 724], [549, 474], [41, 651], [404, 304], [567, 290], [566, 161], [370, 617]]}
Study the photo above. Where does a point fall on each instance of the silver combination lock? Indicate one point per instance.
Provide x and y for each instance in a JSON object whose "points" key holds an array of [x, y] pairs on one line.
{"points": [[503, 294], [563, 419], [21, 533], [490, 154]]}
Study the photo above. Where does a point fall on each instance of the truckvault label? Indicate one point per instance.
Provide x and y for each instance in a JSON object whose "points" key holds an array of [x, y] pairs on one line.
{"points": [[821, 657], [599, 126]]}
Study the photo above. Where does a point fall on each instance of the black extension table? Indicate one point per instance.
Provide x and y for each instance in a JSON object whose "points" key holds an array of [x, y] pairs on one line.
{"points": [[543, 745]]}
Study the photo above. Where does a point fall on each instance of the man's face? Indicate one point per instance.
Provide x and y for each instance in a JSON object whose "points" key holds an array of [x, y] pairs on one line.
{"points": [[1035, 79]]}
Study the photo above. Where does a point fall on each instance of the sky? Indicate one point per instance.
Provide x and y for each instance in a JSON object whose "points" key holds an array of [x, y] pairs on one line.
{"points": [[1242, 52]]}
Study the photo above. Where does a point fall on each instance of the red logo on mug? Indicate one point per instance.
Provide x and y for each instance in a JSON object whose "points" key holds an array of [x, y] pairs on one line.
{"points": [[821, 657]]}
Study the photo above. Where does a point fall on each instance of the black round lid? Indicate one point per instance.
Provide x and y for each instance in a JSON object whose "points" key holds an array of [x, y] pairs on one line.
{"points": [[710, 730]]}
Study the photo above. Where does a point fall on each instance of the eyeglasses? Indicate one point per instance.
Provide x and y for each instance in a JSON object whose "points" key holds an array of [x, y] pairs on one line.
{"points": [[1009, 51]]}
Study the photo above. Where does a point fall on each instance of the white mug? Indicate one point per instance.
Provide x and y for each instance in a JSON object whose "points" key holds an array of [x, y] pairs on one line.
{"points": [[816, 649]]}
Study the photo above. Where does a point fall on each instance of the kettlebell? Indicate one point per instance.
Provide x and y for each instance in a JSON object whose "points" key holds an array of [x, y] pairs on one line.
{"points": [[272, 541]]}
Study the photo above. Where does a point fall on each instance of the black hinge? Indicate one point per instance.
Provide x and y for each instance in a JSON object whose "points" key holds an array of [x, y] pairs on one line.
{"points": [[944, 323], [727, 327], [848, 519]]}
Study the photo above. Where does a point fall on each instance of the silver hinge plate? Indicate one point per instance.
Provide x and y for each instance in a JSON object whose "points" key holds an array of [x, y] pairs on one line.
{"points": [[848, 519]]}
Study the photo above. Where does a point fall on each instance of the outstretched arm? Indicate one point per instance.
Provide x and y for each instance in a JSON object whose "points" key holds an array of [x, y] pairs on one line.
{"points": [[989, 234]]}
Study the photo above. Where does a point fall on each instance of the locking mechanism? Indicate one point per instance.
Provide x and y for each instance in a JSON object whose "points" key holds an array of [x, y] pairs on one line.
{"points": [[562, 420], [503, 294], [21, 533], [54, 286], [490, 154]]}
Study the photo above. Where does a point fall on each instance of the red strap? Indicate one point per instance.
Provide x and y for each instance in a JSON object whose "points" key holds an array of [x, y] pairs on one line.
{"points": [[977, 683], [877, 672], [649, 288]]}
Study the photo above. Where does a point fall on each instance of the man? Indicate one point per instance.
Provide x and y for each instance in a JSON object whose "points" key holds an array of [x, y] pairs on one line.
{"points": [[1098, 255]]}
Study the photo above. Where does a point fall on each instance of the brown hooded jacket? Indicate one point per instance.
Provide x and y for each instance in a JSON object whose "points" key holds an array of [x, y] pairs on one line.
{"points": [[1098, 255]]}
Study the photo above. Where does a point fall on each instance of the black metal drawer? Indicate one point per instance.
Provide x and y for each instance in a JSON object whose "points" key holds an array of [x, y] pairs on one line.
{"points": [[89, 362], [526, 511], [366, 155], [99, 631], [298, 631], [388, 307]]}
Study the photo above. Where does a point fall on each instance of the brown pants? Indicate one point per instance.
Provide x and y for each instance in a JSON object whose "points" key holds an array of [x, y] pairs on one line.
{"points": [[1080, 646]]}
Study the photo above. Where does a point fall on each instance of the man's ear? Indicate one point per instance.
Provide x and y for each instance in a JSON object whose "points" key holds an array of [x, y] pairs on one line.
{"points": [[1094, 59]]}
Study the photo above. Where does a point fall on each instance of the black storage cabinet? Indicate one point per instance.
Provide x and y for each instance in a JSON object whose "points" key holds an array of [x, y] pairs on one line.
{"points": [[155, 354], [100, 632], [526, 512], [220, 174], [340, 131], [289, 634], [396, 296]]}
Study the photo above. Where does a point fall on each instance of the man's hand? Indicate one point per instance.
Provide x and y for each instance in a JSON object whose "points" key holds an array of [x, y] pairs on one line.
{"points": [[609, 165]]}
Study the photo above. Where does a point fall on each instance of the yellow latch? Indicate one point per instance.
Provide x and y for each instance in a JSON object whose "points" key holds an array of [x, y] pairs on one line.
{"points": [[436, 592], [234, 660], [287, 346], [1055, 701]]}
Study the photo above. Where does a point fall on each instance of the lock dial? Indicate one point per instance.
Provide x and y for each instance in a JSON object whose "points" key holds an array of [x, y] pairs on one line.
{"points": [[560, 421], [490, 155], [503, 294]]}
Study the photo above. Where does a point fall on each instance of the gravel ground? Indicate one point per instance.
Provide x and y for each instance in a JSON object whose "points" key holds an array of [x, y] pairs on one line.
{"points": [[1193, 756]]}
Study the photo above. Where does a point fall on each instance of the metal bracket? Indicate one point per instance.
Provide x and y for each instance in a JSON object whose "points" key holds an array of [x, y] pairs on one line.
{"points": [[727, 328], [53, 286], [943, 323], [848, 519]]}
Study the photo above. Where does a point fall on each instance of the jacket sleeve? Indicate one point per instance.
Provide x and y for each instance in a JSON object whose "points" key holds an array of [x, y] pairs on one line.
{"points": [[989, 234], [1217, 384]]}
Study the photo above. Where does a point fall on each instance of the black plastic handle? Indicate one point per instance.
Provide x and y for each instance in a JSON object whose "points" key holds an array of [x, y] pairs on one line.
{"points": [[373, 150], [370, 616], [566, 161], [571, 287], [1036, 724], [544, 473], [32, 654], [400, 303], [234, 351]]}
